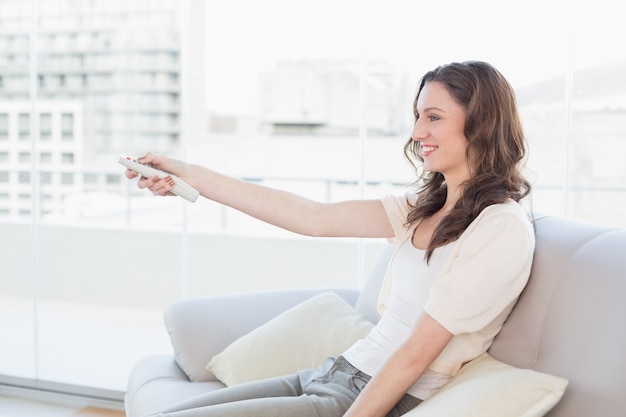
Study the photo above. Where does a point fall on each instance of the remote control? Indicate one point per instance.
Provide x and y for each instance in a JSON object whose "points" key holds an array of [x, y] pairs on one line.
{"points": [[181, 188]]}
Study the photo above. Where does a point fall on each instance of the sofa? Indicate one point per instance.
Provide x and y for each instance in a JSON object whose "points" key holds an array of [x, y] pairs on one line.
{"points": [[568, 322]]}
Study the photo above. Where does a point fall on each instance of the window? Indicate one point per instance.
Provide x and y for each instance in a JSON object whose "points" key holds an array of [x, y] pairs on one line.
{"points": [[113, 179], [67, 178], [45, 157], [45, 122], [91, 179], [24, 126], [45, 127], [67, 127], [67, 158], [4, 125], [24, 177], [285, 94], [24, 157], [46, 178]]}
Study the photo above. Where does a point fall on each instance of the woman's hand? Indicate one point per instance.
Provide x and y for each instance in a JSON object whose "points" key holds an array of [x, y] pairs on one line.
{"points": [[161, 186], [402, 369]]}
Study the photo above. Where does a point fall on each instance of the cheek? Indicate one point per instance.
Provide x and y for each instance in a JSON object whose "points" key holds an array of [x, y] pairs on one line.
{"points": [[461, 151]]}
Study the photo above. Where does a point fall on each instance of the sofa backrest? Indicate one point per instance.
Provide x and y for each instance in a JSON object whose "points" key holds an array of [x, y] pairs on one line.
{"points": [[569, 320]]}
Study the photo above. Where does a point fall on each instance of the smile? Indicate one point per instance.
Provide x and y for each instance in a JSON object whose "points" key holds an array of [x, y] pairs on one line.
{"points": [[428, 149]]}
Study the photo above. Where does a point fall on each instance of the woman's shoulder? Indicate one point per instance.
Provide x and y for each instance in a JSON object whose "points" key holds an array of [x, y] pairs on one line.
{"points": [[509, 215], [508, 207], [399, 204]]}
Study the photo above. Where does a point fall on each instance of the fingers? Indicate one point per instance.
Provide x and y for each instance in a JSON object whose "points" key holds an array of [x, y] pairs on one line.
{"points": [[163, 186], [158, 186], [130, 174], [152, 159], [147, 158]]}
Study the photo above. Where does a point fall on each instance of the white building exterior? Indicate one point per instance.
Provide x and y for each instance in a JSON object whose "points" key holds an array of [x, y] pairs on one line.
{"points": [[57, 155]]}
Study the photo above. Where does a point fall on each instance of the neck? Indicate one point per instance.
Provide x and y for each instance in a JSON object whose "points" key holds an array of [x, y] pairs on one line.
{"points": [[454, 184], [453, 195]]}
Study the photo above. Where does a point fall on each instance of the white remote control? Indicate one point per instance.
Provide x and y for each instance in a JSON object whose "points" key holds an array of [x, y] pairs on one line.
{"points": [[181, 188]]}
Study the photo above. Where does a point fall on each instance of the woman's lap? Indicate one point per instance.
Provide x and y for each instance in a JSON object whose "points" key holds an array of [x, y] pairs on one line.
{"points": [[326, 391], [235, 396]]}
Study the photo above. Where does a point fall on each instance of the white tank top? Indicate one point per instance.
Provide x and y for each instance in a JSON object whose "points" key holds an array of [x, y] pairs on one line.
{"points": [[411, 279]]}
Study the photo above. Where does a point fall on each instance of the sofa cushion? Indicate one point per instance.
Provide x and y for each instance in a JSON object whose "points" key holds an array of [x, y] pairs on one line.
{"points": [[200, 328], [486, 387], [300, 338]]}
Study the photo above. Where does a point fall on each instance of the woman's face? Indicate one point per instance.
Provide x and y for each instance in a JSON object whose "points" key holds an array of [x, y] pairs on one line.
{"points": [[439, 130]]}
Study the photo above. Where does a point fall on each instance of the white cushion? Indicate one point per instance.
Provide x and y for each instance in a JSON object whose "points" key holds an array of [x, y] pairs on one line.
{"points": [[300, 338], [486, 387]]}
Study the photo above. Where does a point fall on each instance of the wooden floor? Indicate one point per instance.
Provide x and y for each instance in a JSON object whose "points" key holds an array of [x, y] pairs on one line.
{"points": [[20, 407], [98, 412]]}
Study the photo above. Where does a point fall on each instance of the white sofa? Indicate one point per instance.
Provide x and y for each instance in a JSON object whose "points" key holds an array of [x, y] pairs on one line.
{"points": [[568, 322]]}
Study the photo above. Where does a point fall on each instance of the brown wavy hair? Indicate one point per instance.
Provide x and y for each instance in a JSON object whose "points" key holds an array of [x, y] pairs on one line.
{"points": [[496, 144]]}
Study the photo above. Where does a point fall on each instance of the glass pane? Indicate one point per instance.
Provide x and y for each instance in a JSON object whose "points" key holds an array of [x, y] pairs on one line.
{"points": [[101, 301], [104, 88], [17, 307], [282, 97], [107, 89], [597, 170]]}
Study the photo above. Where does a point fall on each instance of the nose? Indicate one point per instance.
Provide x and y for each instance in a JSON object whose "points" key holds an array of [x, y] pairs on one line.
{"points": [[419, 132]]}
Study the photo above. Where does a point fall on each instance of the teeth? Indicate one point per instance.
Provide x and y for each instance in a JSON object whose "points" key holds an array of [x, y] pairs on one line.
{"points": [[427, 148]]}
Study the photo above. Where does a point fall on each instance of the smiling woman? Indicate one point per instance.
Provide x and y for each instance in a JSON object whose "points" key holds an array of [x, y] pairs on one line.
{"points": [[436, 310], [467, 116]]}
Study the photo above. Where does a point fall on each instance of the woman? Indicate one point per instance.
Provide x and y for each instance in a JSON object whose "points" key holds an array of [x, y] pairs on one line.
{"points": [[464, 251]]}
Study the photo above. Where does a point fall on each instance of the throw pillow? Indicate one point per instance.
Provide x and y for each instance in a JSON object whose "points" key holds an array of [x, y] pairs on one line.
{"points": [[300, 338], [486, 387]]}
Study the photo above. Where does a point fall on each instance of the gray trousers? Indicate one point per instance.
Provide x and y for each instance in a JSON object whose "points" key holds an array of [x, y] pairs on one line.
{"points": [[327, 391]]}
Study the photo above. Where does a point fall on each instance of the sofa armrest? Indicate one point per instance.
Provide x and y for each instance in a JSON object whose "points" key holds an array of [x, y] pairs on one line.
{"points": [[157, 382], [200, 328], [149, 370]]}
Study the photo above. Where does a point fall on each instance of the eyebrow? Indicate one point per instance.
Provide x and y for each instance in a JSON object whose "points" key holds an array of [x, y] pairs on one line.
{"points": [[430, 109]]}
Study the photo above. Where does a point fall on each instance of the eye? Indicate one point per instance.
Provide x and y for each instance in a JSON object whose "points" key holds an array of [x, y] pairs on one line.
{"points": [[433, 118]]}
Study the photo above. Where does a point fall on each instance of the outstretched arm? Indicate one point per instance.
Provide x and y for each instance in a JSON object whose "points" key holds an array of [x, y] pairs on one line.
{"points": [[358, 218], [402, 370]]}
